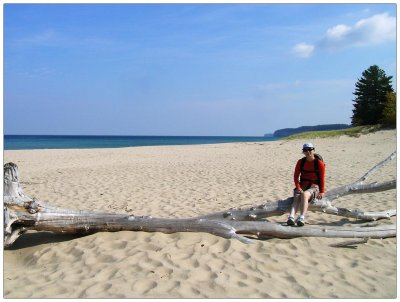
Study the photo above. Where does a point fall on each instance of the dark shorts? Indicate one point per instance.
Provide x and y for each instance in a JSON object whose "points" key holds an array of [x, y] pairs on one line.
{"points": [[314, 190]]}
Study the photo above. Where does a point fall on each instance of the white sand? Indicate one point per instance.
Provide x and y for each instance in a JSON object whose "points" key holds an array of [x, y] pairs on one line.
{"points": [[186, 181]]}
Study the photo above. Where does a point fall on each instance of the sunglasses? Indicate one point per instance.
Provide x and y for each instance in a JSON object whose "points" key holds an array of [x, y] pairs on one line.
{"points": [[308, 149]]}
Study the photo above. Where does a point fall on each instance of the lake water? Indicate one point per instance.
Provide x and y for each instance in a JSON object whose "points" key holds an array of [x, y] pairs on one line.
{"points": [[26, 142]]}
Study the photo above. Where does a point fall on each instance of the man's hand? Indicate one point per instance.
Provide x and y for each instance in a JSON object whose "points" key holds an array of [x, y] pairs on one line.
{"points": [[320, 195]]}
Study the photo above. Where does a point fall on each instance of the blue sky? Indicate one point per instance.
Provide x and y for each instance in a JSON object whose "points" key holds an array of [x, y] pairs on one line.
{"points": [[188, 69]]}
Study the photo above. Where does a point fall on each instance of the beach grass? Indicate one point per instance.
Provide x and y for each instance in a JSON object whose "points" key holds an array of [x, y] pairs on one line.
{"points": [[352, 132]]}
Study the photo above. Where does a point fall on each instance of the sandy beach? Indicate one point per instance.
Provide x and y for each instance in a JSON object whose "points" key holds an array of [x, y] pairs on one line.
{"points": [[187, 181]]}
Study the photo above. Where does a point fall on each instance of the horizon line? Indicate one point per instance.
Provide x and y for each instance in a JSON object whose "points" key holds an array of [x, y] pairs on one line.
{"points": [[130, 135]]}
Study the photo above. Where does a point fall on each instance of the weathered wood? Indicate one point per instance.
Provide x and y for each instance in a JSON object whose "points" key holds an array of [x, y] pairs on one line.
{"points": [[350, 243], [323, 205], [22, 213]]}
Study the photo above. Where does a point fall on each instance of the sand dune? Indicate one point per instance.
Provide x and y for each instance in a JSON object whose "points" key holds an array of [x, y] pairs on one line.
{"points": [[186, 181]]}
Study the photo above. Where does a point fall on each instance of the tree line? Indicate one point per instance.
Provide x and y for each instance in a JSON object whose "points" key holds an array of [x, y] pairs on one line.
{"points": [[375, 99]]}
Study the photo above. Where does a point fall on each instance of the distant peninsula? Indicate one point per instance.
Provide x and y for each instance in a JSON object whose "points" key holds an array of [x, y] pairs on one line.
{"points": [[290, 131]]}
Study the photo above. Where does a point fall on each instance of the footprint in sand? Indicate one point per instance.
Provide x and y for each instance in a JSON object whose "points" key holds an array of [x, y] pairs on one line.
{"points": [[143, 286]]}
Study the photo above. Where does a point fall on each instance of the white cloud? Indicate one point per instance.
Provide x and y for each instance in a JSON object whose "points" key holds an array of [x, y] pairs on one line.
{"points": [[338, 32], [374, 30], [366, 32], [303, 50]]}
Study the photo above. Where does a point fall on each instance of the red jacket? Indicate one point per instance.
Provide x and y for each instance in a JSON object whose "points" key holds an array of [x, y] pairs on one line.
{"points": [[313, 176]]}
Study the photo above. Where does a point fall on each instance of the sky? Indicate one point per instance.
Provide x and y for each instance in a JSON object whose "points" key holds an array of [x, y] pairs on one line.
{"points": [[188, 69]]}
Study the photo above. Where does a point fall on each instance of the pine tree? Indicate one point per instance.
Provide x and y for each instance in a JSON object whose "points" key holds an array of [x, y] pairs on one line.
{"points": [[389, 112], [370, 94]]}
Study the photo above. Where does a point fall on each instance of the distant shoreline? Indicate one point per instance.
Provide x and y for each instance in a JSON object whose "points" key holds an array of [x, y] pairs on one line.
{"points": [[285, 132]]}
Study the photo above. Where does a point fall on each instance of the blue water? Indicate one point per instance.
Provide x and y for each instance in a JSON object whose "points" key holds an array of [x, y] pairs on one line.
{"points": [[26, 142]]}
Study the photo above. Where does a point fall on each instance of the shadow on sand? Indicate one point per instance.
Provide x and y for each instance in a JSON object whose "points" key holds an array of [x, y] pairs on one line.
{"points": [[37, 238]]}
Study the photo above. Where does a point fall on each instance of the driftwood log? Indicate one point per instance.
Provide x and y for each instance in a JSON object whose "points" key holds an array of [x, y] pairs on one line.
{"points": [[23, 213]]}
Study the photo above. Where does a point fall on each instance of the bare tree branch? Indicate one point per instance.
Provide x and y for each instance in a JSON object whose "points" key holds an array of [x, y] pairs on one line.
{"points": [[22, 213], [377, 167]]}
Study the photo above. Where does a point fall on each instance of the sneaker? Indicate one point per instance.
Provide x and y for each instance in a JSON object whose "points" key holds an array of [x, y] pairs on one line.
{"points": [[290, 221], [300, 221]]}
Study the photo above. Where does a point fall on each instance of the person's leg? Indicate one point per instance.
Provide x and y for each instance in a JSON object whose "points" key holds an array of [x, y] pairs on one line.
{"points": [[305, 198], [295, 206]]}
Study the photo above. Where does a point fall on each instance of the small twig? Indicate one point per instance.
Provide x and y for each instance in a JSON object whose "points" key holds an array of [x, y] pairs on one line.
{"points": [[349, 243]]}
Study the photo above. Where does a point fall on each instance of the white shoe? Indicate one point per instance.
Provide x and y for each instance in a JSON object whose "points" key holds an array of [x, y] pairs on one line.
{"points": [[300, 221]]}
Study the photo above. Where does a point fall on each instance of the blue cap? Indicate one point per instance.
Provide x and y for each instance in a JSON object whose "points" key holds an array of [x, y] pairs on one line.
{"points": [[308, 145]]}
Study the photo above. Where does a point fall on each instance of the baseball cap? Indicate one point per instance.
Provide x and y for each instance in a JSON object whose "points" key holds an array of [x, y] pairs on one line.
{"points": [[308, 145]]}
